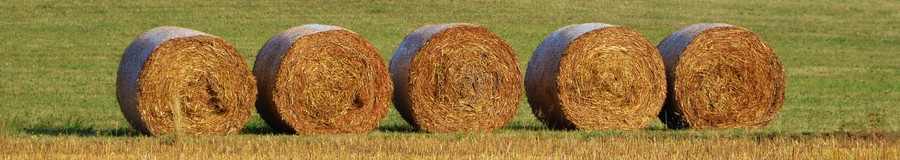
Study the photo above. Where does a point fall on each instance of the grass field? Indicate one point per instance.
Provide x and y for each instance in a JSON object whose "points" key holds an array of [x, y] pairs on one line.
{"points": [[58, 62]]}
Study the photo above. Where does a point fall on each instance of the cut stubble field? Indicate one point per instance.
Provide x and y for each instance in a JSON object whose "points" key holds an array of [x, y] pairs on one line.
{"points": [[58, 62], [617, 145]]}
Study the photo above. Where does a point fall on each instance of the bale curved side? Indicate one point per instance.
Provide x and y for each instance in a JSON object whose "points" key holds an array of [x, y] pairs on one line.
{"points": [[455, 78], [720, 76], [319, 79], [174, 79], [595, 76]]}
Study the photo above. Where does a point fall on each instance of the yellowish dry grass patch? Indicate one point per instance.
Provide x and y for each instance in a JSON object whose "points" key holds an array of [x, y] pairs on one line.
{"points": [[867, 145]]}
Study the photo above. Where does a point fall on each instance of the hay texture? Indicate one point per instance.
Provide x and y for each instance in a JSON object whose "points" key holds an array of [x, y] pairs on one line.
{"points": [[456, 78], [177, 80], [319, 79], [596, 76], [720, 76]]}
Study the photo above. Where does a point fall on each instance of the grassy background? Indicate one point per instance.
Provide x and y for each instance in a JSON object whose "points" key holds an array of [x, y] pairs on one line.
{"points": [[58, 59]]}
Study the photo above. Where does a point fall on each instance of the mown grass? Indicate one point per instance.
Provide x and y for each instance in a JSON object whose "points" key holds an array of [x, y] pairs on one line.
{"points": [[618, 145], [58, 60]]}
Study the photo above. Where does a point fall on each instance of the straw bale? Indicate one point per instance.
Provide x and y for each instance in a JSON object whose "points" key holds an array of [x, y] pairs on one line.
{"points": [[720, 76], [596, 76], [456, 78], [177, 80], [319, 79]]}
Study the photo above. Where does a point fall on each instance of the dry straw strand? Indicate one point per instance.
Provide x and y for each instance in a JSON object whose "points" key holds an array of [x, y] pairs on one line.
{"points": [[171, 71], [456, 78], [320, 79], [595, 76], [720, 76]]}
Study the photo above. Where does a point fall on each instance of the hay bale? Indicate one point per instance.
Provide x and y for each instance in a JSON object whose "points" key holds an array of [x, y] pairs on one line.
{"points": [[595, 76], [720, 76], [456, 78], [177, 80], [318, 79]]}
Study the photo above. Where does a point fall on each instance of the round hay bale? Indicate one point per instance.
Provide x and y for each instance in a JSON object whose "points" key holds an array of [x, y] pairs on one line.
{"points": [[177, 80], [720, 76], [456, 78], [596, 76], [318, 79]]}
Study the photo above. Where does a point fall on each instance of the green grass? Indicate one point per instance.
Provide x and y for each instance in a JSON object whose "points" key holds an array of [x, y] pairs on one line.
{"points": [[58, 59]]}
